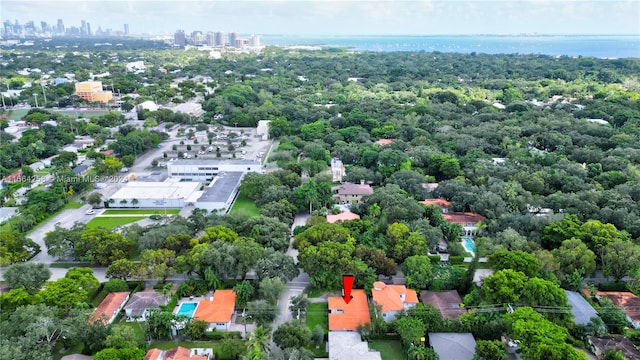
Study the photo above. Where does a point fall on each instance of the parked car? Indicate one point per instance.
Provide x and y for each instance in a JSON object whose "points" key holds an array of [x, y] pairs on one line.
{"points": [[90, 212]]}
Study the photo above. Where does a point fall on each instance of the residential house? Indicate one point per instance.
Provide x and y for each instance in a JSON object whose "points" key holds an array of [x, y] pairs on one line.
{"points": [[347, 345], [344, 216], [393, 298], [468, 220], [337, 170], [217, 310], [15, 177], [447, 302], [580, 308], [73, 148], [37, 166], [76, 357], [602, 345], [179, 353], [81, 169], [350, 193], [137, 309], [84, 141], [441, 203], [453, 346], [628, 301], [347, 317], [109, 308]]}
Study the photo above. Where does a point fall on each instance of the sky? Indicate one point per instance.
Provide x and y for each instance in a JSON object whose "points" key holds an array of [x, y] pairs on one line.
{"points": [[330, 17]]}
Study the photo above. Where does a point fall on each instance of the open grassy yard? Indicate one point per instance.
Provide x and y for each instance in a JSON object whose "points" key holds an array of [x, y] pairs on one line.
{"points": [[215, 345], [389, 349], [318, 314], [17, 114], [139, 329], [111, 222], [245, 204], [140, 211]]}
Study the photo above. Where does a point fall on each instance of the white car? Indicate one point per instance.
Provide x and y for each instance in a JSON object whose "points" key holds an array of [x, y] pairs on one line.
{"points": [[90, 212]]}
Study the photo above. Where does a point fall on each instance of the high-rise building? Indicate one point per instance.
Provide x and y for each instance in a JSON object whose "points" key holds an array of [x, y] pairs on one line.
{"points": [[126, 29], [211, 38], [233, 38], [92, 91], [219, 38], [60, 27], [254, 40], [44, 26], [179, 38], [89, 29], [83, 28]]}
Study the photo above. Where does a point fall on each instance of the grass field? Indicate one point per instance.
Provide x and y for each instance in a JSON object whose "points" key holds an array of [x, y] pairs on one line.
{"points": [[111, 222], [318, 314], [17, 114], [389, 349], [245, 204], [138, 327], [140, 211]]}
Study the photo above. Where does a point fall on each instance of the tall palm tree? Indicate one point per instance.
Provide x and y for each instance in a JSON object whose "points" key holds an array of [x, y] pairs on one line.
{"points": [[260, 339], [123, 202], [134, 202]]}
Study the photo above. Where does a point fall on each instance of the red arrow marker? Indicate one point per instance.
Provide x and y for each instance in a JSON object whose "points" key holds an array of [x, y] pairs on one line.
{"points": [[347, 281]]}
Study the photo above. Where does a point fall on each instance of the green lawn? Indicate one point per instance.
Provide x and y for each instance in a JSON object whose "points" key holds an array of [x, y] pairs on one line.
{"points": [[140, 211], [389, 349], [111, 222], [318, 314], [17, 114], [245, 204], [138, 328]]}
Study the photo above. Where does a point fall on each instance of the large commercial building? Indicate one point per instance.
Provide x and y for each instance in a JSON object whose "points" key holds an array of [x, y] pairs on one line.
{"points": [[205, 170], [221, 193], [171, 193], [219, 37], [92, 91]]}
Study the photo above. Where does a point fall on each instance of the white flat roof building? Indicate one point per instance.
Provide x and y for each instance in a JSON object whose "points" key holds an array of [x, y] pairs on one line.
{"points": [[171, 193], [221, 193], [205, 170]]}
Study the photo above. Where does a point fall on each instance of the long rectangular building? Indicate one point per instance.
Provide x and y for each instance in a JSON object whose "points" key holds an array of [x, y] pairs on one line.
{"points": [[205, 170], [221, 193]]}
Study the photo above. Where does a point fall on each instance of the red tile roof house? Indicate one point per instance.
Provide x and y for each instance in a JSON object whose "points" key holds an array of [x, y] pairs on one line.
{"points": [[15, 177], [345, 216], [468, 220], [447, 302], [350, 193], [626, 300], [347, 317], [441, 203], [109, 308], [217, 310], [393, 298], [179, 353]]}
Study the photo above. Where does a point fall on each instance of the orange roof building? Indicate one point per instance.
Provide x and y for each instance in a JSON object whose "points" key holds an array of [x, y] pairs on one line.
{"points": [[383, 142], [217, 310], [110, 307], [628, 301], [393, 298], [178, 353], [468, 220], [345, 216], [347, 317], [441, 203]]}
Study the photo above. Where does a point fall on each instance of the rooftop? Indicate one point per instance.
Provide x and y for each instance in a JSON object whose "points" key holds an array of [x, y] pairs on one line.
{"points": [[620, 343], [389, 296], [221, 187], [626, 300], [352, 314], [383, 142], [463, 218], [447, 302], [453, 346], [177, 353], [354, 189], [170, 189], [219, 310], [346, 345], [213, 162], [143, 300], [109, 306], [580, 308], [345, 216], [438, 202]]}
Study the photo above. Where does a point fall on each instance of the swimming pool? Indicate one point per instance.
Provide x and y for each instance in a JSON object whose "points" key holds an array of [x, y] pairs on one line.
{"points": [[469, 245], [187, 309]]}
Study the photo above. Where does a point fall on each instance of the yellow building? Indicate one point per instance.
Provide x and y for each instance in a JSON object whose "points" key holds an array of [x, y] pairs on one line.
{"points": [[92, 91]]}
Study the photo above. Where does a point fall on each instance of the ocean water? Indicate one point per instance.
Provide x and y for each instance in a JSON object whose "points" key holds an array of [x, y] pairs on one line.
{"points": [[599, 46]]}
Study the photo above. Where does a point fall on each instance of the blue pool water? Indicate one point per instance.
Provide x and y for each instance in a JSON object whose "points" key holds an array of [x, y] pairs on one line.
{"points": [[468, 244], [187, 309]]}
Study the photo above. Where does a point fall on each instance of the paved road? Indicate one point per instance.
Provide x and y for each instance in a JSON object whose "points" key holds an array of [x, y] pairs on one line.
{"points": [[295, 286]]}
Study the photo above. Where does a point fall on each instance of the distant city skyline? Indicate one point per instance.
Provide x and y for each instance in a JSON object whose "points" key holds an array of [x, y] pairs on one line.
{"points": [[356, 17]]}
